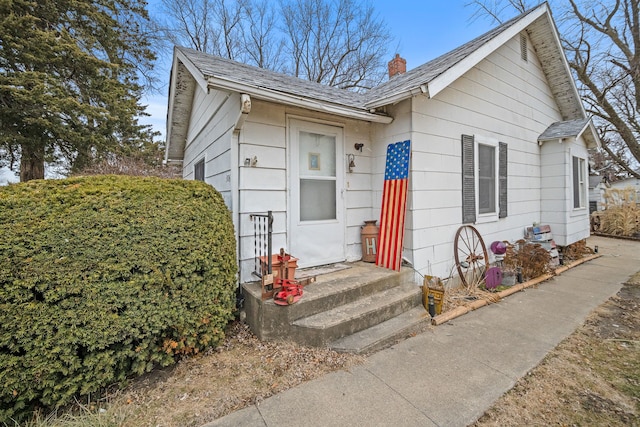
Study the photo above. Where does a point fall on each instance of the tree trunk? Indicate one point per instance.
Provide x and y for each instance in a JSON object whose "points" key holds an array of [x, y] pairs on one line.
{"points": [[31, 163]]}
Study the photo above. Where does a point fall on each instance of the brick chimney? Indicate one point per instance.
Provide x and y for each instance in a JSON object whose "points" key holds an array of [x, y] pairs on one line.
{"points": [[397, 66]]}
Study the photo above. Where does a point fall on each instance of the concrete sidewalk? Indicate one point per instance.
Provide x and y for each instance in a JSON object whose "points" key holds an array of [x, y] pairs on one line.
{"points": [[450, 375]]}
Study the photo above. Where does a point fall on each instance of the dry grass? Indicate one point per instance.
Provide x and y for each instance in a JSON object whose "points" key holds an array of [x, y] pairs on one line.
{"points": [[241, 372], [591, 378], [576, 251], [462, 295], [621, 216]]}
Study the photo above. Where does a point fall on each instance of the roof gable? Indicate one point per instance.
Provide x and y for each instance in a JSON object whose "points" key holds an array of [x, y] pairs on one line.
{"points": [[429, 78], [439, 73]]}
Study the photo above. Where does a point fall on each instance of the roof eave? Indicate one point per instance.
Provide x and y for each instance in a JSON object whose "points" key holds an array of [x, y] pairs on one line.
{"points": [[298, 101], [400, 96], [169, 117], [588, 133], [175, 140]]}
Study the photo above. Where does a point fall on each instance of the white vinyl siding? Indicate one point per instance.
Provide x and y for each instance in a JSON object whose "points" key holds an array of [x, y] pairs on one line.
{"points": [[503, 98], [209, 136], [564, 190]]}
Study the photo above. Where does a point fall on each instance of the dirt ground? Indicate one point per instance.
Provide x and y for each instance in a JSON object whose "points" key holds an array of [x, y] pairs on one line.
{"points": [[241, 372], [591, 378]]}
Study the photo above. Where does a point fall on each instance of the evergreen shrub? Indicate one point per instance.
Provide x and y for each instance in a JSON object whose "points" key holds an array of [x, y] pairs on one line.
{"points": [[105, 277]]}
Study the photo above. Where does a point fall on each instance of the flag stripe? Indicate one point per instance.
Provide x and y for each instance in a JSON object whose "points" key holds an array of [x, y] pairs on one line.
{"points": [[394, 201], [402, 204]]}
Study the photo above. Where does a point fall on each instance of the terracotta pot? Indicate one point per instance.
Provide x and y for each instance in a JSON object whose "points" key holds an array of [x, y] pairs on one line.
{"points": [[290, 272]]}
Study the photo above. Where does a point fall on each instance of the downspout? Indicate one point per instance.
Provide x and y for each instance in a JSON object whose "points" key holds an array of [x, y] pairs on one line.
{"points": [[245, 109]]}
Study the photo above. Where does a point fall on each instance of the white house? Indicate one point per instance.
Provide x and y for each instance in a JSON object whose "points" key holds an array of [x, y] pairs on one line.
{"points": [[630, 183], [500, 114]]}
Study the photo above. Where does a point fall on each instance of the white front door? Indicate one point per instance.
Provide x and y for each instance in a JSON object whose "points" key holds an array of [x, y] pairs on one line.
{"points": [[316, 225]]}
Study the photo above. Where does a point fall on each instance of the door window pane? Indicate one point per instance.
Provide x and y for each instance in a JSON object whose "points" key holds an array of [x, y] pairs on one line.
{"points": [[317, 154], [317, 199], [317, 170]]}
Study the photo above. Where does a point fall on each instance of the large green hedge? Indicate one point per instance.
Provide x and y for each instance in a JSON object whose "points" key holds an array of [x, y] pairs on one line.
{"points": [[105, 277]]}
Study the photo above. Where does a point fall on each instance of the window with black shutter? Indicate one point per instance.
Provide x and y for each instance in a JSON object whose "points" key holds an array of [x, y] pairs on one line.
{"points": [[484, 178]]}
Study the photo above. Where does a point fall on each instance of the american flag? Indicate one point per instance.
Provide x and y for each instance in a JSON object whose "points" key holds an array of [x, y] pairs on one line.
{"points": [[394, 204]]}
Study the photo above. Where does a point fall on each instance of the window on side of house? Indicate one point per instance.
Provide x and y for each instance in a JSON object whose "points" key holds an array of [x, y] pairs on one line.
{"points": [[579, 182], [198, 170], [484, 179]]}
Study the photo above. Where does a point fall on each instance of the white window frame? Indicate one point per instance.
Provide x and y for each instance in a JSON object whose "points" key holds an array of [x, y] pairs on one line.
{"points": [[494, 143], [581, 183]]}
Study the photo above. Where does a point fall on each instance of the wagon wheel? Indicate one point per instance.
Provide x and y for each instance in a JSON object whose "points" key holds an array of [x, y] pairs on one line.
{"points": [[471, 256]]}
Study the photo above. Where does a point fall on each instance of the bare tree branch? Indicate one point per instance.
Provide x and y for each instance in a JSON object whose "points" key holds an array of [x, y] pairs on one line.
{"points": [[340, 43], [335, 42], [602, 43]]}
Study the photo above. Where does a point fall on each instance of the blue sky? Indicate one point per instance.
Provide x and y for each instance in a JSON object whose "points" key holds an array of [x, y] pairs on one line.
{"points": [[422, 31]]}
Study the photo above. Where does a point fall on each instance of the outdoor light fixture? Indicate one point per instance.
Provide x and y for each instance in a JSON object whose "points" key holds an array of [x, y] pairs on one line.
{"points": [[352, 164]]}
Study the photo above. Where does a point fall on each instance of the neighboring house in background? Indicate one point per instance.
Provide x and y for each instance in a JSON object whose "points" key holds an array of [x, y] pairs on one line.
{"points": [[627, 183], [498, 134], [597, 185]]}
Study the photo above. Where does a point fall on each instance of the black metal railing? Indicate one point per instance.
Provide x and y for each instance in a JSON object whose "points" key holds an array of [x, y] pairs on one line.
{"points": [[262, 231]]}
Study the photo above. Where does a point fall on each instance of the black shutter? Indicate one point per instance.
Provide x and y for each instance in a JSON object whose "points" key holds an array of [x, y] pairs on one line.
{"points": [[468, 181], [502, 180]]}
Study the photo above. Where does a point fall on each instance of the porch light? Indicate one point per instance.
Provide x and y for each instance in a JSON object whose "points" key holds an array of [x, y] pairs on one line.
{"points": [[352, 164]]}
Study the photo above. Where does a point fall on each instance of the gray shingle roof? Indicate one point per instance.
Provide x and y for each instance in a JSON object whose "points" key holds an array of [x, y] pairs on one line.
{"points": [[566, 129], [213, 66]]}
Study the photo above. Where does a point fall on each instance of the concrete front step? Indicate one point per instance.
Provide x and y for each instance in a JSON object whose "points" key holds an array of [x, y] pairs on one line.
{"points": [[383, 334], [321, 328], [346, 286], [337, 304]]}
